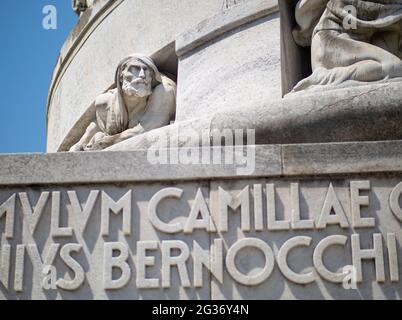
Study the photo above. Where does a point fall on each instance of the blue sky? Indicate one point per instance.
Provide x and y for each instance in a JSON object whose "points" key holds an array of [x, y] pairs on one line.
{"points": [[28, 55]]}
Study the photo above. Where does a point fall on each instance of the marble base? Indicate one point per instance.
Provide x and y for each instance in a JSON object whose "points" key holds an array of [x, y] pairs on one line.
{"points": [[115, 226]]}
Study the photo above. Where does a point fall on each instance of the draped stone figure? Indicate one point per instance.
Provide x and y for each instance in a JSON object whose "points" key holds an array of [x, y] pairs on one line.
{"points": [[351, 40], [143, 99]]}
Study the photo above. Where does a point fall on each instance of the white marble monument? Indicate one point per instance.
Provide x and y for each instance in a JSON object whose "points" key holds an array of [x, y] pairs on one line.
{"points": [[243, 152]]}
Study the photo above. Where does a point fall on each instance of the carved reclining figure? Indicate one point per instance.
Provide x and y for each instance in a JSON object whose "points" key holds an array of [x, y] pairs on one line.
{"points": [[143, 100], [351, 40]]}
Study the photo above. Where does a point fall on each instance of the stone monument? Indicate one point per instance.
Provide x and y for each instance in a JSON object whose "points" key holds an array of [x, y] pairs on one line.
{"points": [[248, 150], [351, 41], [142, 100]]}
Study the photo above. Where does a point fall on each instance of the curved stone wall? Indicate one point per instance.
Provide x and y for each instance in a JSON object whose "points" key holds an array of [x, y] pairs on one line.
{"points": [[231, 60]]}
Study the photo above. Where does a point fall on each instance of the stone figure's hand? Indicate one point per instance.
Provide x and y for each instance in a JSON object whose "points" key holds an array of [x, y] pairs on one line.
{"points": [[132, 132], [104, 141], [92, 144], [100, 144], [76, 148]]}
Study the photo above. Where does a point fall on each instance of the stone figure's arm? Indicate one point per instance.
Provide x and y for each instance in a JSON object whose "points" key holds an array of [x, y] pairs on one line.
{"points": [[307, 15], [91, 131], [107, 141]]}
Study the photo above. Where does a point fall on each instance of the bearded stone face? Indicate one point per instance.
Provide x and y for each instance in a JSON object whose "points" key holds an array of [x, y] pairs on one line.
{"points": [[137, 80]]}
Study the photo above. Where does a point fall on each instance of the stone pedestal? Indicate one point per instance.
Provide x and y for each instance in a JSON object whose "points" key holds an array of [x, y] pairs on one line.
{"points": [[115, 226], [310, 208], [359, 113]]}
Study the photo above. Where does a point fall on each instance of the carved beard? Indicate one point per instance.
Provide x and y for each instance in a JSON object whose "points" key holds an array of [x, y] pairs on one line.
{"points": [[136, 88]]}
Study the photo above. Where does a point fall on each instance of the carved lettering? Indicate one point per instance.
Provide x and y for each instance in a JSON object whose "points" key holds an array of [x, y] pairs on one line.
{"points": [[123, 205], [120, 262], [8, 209], [79, 274], [296, 222], [5, 264], [152, 210], [82, 214], [212, 260], [318, 255], [283, 260], [273, 224], [357, 201], [241, 200], [143, 261], [250, 280], [199, 207], [168, 260], [376, 253], [332, 204], [32, 216], [56, 230]]}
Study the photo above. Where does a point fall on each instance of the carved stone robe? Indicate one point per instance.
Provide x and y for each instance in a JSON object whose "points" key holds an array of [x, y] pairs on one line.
{"points": [[367, 49], [313, 15]]}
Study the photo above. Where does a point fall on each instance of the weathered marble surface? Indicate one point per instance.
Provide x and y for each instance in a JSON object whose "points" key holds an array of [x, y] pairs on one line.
{"points": [[351, 41], [142, 99], [212, 53], [96, 33], [270, 161], [360, 113], [229, 61], [63, 217]]}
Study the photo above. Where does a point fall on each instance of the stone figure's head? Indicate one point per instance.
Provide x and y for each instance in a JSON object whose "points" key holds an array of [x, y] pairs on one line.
{"points": [[137, 75]]}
